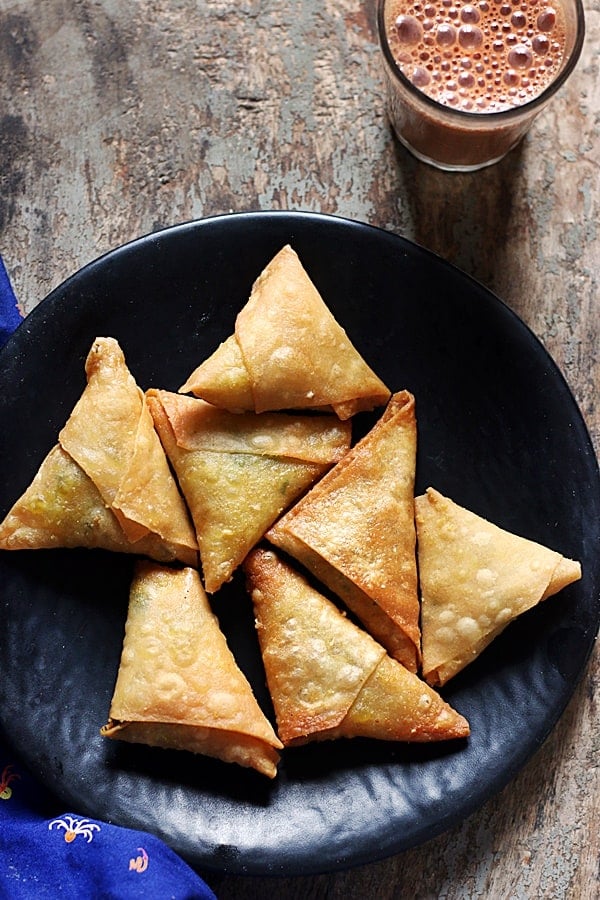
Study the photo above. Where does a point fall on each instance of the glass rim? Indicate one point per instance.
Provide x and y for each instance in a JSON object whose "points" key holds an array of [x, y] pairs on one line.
{"points": [[503, 115]]}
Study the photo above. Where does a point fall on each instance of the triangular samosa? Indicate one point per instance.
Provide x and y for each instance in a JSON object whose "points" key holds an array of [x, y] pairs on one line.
{"points": [[287, 352], [238, 472], [107, 483], [328, 678], [475, 578], [62, 507], [178, 685], [355, 531]]}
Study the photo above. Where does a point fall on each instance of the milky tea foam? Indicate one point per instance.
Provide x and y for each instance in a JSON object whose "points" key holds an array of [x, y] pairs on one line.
{"points": [[485, 57]]}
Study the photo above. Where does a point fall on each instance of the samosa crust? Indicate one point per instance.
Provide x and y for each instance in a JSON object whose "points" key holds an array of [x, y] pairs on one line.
{"points": [[355, 531], [110, 434], [238, 473], [374, 619], [178, 684], [230, 747], [475, 579], [223, 379], [62, 507], [327, 677], [107, 483], [288, 352], [197, 425]]}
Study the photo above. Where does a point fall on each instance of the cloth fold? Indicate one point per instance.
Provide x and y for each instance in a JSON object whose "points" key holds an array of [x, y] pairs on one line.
{"points": [[48, 852]]}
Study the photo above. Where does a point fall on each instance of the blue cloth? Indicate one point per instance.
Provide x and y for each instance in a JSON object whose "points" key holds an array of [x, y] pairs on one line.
{"points": [[9, 313], [48, 852]]}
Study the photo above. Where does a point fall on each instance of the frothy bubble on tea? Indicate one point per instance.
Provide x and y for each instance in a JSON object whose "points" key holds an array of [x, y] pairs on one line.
{"points": [[487, 56]]}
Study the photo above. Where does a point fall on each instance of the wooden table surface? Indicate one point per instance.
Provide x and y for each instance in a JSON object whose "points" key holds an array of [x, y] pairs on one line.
{"points": [[117, 119]]}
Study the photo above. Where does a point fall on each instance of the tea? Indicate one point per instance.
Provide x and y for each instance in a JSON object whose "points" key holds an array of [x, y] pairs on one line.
{"points": [[476, 73]]}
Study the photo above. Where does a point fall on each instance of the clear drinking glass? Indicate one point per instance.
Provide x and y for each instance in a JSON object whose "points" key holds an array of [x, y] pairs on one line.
{"points": [[455, 139]]}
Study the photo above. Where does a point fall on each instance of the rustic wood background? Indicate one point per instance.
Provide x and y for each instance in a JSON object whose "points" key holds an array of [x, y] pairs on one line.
{"points": [[119, 118]]}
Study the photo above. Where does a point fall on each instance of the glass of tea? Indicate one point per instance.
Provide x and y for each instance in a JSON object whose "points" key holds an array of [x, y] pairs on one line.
{"points": [[465, 80]]}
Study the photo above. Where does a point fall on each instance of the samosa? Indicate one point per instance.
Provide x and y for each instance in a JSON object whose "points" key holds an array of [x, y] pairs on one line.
{"points": [[475, 579], [326, 676], [178, 685], [107, 483], [239, 472], [287, 352], [355, 531]]}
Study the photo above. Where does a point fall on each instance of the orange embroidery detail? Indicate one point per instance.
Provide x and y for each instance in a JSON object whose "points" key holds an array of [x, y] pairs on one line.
{"points": [[140, 863], [5, 779], [73, 827]]}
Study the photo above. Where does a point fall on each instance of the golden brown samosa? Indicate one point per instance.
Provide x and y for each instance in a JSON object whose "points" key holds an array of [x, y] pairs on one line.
{"points": [[475, 578], [287, 352], [238, 472], [178, 685], [62, 507], [107, 482], [328, 678], [355, 531]]}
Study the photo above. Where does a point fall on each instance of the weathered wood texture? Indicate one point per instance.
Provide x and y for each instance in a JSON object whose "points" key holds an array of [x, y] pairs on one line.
{"points": [[120, 118]]}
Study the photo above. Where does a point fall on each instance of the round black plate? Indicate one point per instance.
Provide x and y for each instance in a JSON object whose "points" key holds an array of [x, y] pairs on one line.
{"points": [[499, 432]]}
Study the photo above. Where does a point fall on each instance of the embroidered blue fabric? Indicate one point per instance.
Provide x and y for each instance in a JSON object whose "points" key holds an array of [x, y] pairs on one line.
{"points": [[46, 852]]}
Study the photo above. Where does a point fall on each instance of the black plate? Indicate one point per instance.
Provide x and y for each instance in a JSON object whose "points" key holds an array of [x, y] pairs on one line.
{"points": [[499, 432]]}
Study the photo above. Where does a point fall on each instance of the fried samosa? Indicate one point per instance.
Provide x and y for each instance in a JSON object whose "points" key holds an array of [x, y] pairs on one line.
{"points": [[107, 483], [355, 531], [475, 579], [287, 352], [238, 472], [62, 507], [178, 685], [328, 678]]}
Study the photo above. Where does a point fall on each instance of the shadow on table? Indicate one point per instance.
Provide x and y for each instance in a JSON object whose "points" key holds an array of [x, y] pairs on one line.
{"points": [[464, 217]]}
